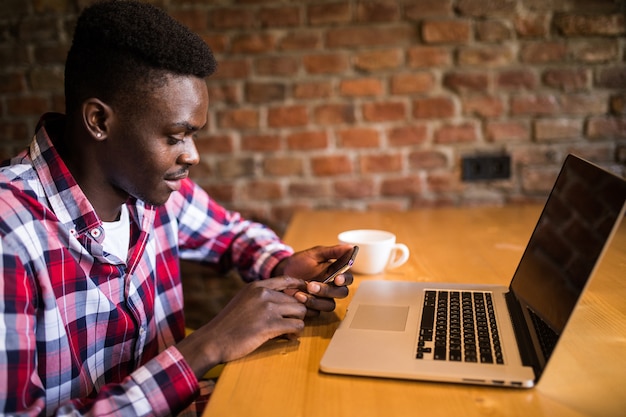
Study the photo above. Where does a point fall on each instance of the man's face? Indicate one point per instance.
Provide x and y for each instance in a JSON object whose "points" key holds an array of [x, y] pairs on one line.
{"points": [[151, 148]]}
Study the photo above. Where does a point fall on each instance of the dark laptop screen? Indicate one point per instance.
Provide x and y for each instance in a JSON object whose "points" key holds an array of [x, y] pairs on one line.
{"points": [[581, 213]]}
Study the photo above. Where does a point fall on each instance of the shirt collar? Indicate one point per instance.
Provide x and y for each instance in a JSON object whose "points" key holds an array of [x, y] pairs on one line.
{"points": [[65, 196]]}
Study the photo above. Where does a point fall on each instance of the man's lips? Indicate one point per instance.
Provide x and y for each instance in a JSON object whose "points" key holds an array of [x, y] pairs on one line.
{"points": [[174, 181]]}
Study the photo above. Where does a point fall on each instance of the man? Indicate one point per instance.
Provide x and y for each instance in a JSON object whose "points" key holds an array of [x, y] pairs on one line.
{"points": [[95, 215]]}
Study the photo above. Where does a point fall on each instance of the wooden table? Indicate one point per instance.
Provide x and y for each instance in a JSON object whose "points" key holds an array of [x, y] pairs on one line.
{"points": [[587, 375]]}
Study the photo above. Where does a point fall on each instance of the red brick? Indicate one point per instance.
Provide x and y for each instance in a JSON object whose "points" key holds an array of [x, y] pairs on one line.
{"points": [[532, 25], [466, 132], [17, 131], [377, 60], [309, 189], [216, 42], [224, 193], [287, 16], [307, 140], [361, 87], [557, 129], [418, 9], [384, 111], [567, 79], [50, 54], [283, 166], [12, 83], [440, 182], [428, 56], [545, 104], [483, 105], [606, 127], [224, 93], [300, 40], [277, 65], [402, 186], [592, 51], [265, 92], [358, 137], [356, 188], [492, 31], [262, 190], [380, 163], [516, 79], [412, 83], [231, 68], [197, 22], [212, 144], [236, 18], [434, 107], [446, 31], [329, 63], [287, 116], [611, 77], [407, 135], [590, 25], [488, 56], [377, 11], [584, 103], [261, 143], [538, 179], [30, 105], [236, 168], [543, 52], [618, 103], [427, 160], [238, 118], [331, 165], [463, 82], [331, 114], [253, 43], [507, 131], [482, 8], [312, 90], [329, 13], [369, 36]]}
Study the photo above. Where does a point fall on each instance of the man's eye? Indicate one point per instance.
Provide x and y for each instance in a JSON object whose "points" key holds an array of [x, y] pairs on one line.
{"points": [[173, 140]]}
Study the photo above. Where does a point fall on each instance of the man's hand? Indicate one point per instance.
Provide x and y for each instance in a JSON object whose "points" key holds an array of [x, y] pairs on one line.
{"points": [[259, 312], [311, 265]]}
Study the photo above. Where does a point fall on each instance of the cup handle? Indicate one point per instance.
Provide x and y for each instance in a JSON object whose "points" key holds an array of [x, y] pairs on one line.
{"points": [[399, 255]]}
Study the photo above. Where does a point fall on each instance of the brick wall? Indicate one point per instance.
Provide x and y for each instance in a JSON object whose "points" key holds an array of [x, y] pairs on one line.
{"points": [[368, 104]]}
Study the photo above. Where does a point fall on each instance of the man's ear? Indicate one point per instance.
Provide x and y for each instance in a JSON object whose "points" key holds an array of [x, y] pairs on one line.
{"points": [[97, 118]]}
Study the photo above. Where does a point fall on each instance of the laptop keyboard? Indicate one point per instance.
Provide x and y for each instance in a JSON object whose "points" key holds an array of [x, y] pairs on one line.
{"points": [[459, 326]]}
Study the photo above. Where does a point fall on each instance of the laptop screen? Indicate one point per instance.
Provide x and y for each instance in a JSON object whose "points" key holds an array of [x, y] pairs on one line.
{"points": [[580, 215]]}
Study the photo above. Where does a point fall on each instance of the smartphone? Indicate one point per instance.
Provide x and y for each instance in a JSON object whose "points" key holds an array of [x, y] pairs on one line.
{"points": [[341, 265]]}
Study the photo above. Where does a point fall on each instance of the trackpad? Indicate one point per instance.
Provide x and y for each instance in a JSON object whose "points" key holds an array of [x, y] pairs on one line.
{"points": [[370, 317]]}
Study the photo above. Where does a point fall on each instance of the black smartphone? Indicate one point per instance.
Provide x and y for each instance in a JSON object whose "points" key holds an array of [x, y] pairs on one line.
{"points": [[341, 265]]}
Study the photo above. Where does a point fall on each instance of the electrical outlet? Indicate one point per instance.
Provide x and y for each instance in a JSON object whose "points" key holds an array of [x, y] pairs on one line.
{"points": [[486, 167]]}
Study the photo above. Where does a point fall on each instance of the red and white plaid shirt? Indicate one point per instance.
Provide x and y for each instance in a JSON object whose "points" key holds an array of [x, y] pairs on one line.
{"points": [[83, 332]]}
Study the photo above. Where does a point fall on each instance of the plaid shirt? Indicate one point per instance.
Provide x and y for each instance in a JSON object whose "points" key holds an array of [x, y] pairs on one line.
{"points": [[82, 331]]}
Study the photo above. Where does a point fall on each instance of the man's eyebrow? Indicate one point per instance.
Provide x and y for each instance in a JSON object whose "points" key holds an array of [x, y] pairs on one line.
{"points": [[187, 126]]}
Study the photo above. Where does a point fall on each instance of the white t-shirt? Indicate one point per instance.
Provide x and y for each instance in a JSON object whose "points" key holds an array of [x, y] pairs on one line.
{"points": [[117, 235]]}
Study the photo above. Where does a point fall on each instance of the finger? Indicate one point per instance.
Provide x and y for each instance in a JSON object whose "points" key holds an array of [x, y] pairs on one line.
{"points": [[326, 253], [282, 283], [344, 279], [328, 291]]}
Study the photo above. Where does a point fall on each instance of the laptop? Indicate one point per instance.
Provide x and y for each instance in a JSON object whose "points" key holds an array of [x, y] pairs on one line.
{"points": [[486, 334]]}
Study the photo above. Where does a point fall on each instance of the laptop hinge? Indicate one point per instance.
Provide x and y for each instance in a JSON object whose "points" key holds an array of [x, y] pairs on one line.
{"points": [[522, 336]]}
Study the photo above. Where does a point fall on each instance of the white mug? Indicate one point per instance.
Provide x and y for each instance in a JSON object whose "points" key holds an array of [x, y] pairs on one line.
{"points": [[378, 250]]}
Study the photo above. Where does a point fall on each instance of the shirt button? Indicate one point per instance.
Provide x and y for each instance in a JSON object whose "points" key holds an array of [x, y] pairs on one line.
{"points": [[73, 232], [95, 233]]}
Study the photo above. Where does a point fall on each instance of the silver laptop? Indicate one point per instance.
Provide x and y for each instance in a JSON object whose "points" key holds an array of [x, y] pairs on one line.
{"points": [[485, 334]]}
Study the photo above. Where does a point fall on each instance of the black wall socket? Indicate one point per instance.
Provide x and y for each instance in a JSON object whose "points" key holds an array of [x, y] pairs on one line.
{"points": [[486, 167]]}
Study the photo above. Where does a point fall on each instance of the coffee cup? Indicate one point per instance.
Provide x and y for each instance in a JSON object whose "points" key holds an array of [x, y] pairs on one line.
{"points": [[378, 250]]}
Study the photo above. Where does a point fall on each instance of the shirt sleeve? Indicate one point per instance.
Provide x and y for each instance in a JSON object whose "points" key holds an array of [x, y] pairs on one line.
{"points": [[162, 386], [212, 234]]}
